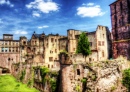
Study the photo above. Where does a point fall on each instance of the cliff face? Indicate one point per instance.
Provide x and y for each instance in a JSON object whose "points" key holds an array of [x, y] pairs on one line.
{"points": [[101, 76]]}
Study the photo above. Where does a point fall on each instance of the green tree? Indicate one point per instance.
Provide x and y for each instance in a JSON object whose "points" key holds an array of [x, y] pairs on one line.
{"points": [[83, 45], [126, 79]]}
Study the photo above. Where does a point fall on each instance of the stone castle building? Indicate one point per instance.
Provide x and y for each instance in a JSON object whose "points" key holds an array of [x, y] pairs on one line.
{"points": [[100, 43], [43, 50], [120, 18], [9, 51]]}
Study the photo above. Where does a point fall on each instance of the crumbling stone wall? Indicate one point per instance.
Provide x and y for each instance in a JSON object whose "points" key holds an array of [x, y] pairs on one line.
{"points": [[6, 59], [71, 76], [101, 76], [120, 18]]}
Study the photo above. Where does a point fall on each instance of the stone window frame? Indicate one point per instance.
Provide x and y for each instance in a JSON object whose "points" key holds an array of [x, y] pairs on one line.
{"points": [[78, 71], [50, 58], [52, 39], [99, 43], [102, 43]]}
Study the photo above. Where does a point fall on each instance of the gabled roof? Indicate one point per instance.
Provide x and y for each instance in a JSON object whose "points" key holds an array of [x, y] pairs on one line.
{"points": [[37, 35]]}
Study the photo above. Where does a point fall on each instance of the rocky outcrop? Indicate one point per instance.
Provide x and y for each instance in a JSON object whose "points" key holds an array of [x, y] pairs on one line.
{"points": [[102, 76]]}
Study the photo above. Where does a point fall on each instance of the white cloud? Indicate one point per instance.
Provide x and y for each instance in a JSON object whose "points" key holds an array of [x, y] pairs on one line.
{"points": [[43, 6], [20, 32], [45, 26], [90, 4], [35, 14], [7, 2], [90, 10]]}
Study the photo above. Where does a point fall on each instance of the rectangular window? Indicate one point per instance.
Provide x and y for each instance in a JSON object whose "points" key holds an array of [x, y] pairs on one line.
{"points": [[55, 40], [78, 71], [102, 53], [102, 43], [50, 58], [99, 43], [52, 39], [48, 66], [51, 66], [9, 43], [73, 49], [55, 50], [89, 59]]}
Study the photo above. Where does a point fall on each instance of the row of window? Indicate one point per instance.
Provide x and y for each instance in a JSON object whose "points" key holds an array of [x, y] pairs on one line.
{"points": [[51, 58], [8, 37], [52, 51], [52, 40], [50, 66], [6, 43], [101, 43], [9, 51]]}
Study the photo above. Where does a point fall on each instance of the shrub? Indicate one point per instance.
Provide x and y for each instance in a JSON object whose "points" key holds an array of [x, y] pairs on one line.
{"points": [[43, 72], [22, 75], [84, 80], [113, 88], [53, 84], [78, 88], [126, 78]]}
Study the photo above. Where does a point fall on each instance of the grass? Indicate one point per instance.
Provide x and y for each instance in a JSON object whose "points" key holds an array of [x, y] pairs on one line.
{"points": [[9, 84]]}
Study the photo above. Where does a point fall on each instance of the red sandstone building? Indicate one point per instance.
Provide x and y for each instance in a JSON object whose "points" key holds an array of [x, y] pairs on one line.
{"points": [[120, 18]]}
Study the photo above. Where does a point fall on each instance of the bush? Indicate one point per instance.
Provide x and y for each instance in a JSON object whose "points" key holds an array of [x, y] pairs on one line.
{"points": [[126, 78], [53, 84], [43, 72], [84, 80], [78, 88], [22, 75]]}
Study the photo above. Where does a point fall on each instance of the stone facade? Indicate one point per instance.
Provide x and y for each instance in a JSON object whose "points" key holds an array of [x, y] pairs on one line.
{"points": [[100, 43], [120, 18], [9, 51], [44, 50], [100, 76], [51, 45]]}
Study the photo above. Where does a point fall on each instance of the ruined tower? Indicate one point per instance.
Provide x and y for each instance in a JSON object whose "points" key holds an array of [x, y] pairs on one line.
{"points": [[120, 18]]}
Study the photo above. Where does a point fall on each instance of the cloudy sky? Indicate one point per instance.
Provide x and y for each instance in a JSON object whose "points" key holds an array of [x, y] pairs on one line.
{"points": [[23, 17]]}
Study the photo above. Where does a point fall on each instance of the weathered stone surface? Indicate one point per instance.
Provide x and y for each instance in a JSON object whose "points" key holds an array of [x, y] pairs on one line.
{"points": [[103, 76]]}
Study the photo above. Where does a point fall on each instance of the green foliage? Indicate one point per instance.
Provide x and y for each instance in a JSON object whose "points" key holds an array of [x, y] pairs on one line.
{"points": [[94, 77], [54, 74], [43, 72], [64, 52], [30, 83], [126, 78], [78, 88], [113, 88], [22, 75], [9, 84], [48, 76], [83, 45], [53, 84], [84, 80]]}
